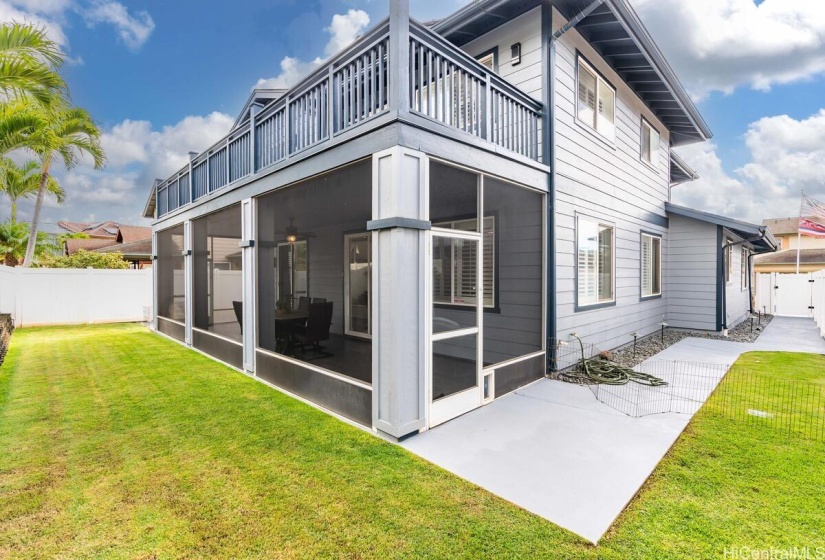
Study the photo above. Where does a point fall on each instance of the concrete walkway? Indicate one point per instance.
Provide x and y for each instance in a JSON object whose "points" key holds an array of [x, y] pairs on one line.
{"points": [[555, 450]]}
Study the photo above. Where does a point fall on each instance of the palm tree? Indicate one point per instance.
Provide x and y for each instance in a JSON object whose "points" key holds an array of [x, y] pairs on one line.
{"points": [[66, 133], [20, 182], [29, 63], [18, 120], [13, 240]]}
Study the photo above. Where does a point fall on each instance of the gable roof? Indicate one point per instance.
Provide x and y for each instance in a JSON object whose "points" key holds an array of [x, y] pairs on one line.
{"points": [[680, 171], [765, 243], [73, 245], [260, 97], [135, 250], [98, 229], [614, 29], [128, 234], [788, 256]]}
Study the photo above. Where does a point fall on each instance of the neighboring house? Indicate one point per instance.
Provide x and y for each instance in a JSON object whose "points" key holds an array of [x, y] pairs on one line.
{"points": [[134, 242], [405, 234], [811, 254], [96, 230]]}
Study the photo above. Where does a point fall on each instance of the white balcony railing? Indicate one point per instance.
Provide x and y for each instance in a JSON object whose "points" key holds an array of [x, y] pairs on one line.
{"points": [[446, 85]]}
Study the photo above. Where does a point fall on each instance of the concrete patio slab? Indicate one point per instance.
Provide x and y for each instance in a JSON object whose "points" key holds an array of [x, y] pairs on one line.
{"points": [[555, 450]]}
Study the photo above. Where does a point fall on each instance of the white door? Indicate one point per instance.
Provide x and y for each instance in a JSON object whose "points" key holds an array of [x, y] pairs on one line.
{"points": [[455, 320], [793, 295]]}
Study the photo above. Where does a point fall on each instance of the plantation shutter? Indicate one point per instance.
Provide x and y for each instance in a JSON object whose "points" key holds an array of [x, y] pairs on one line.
{"points": [[654, 147], [647, 265], [607, 100], [587, 95], [488, 264], [587, 265]]}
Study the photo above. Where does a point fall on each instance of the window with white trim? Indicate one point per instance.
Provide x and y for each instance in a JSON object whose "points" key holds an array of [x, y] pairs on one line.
{"points": [[728, 262], [650, 144], [488, 60], [651, 265], [457, 264], [743, 266], [596, 106], [595, 242]]}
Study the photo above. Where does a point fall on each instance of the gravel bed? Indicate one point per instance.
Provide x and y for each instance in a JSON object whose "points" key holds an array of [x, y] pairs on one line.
{"points": [[652, 344]]}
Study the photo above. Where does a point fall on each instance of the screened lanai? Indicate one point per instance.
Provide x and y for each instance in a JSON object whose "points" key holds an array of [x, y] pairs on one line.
{"points": [[313, 275]]}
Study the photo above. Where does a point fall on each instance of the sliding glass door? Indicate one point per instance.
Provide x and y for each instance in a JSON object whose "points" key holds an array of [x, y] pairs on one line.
{"points": [[358, 284]]}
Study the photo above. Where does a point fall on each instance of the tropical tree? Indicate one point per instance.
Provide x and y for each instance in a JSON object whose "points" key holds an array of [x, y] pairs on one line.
{"points": [[18, 120], [14, 237], [29, 64], [65, 134], [19, 182]]}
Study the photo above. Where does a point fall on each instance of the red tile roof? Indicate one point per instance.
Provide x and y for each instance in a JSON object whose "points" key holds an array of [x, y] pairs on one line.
{"points": [[72, 245]]}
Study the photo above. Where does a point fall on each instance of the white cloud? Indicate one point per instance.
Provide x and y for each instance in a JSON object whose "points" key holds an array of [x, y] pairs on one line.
{"points": [[133, 29], [44, 16], [137, 154], [343, 30], [292, 70], [787, 156], [719, 45]]}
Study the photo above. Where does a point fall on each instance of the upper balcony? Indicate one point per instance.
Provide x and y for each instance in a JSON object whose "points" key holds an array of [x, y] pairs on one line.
{"points": [[398, 69]]}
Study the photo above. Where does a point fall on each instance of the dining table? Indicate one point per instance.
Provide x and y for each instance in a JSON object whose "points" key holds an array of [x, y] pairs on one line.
{"points": [[286, 321]]}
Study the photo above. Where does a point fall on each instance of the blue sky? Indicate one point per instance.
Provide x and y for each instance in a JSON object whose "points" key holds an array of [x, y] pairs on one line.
{"points": [[164, 78]]}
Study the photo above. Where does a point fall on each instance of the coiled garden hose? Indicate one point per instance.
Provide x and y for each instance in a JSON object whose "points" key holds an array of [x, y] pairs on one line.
{"points": [[598, 371]]}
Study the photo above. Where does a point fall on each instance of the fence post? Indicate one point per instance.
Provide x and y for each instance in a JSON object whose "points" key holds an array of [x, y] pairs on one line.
{"points": [[399, 56], [253, 156], [488, 104]]}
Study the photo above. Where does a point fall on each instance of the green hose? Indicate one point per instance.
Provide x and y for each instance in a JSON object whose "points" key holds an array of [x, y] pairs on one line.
{"points": [[597, 371]]}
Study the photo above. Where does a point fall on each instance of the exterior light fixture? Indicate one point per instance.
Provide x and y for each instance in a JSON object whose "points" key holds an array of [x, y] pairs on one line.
{"points": [[291, 238], [515, 54]]}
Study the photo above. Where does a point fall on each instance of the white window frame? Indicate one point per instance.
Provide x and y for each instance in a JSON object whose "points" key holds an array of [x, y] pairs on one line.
{"points": [[580, 303], [743, 266], [653, 144], [729, 262], [451, 225], [648, 237], [601, 84]]}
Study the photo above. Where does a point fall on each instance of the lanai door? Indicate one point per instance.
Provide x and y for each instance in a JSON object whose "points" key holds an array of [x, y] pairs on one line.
{"points": [[455, 324]]}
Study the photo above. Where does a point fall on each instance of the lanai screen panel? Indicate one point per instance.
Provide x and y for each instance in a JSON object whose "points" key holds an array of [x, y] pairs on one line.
{"points": [[170, 274], [218, 273], [513, 325], [303, 263]]}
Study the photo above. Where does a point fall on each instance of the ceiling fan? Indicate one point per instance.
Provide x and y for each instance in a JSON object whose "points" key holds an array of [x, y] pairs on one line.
{"points": [[291, 233]]}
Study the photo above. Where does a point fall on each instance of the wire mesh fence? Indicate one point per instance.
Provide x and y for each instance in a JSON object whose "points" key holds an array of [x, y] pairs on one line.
{"points": [[794, 405], [689, 385]]}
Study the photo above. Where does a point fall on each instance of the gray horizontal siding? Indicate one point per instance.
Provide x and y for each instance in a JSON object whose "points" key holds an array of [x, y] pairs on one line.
{"points": [[692, 273]]}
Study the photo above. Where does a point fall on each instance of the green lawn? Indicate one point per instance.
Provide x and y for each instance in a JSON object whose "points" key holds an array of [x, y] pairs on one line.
{"points": [[116, 443]]}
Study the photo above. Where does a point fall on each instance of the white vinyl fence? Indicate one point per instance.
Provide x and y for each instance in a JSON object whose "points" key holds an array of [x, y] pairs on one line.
{"points": [[65, 296], [793, 295]]}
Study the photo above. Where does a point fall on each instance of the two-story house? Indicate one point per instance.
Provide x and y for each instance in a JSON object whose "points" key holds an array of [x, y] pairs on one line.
{"points": [[402, 237]]}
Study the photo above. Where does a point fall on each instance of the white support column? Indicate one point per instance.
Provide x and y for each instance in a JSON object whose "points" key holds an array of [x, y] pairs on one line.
{"points": [[400, 228], [249, 275], [188, 279]]}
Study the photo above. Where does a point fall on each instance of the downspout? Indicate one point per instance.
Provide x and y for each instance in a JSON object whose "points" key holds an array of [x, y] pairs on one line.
{"points": [[549, 158]]}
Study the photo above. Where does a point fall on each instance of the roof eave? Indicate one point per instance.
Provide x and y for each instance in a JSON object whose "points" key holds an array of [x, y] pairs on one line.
{"points": [[739, 227], [631, 21]]}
